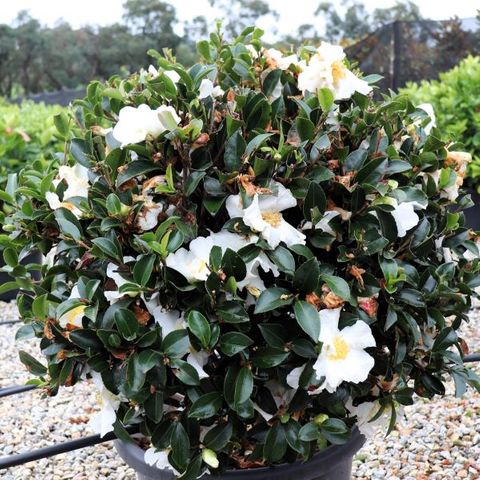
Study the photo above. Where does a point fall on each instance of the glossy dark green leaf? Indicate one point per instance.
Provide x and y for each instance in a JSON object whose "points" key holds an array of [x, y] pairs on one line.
{"points": [[308, 319]]}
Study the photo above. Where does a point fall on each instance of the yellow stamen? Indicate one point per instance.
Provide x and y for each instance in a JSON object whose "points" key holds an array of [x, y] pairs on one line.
{"points": [[338, 71], [272, 218], [339, 350]]}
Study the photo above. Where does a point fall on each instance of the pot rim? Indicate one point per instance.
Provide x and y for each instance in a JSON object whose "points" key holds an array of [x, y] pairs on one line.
{"points": [[133, 455]]}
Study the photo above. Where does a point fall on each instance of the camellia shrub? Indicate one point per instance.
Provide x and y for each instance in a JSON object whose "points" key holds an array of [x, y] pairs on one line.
{"points": [[250, 257], [456, 101]]}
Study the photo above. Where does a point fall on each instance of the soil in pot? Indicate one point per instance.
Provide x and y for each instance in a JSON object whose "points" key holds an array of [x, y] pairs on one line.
{"points": [[333, 463]]}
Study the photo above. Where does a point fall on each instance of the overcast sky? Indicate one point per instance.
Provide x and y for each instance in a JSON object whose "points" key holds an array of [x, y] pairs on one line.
{"points": [[109, 11]]}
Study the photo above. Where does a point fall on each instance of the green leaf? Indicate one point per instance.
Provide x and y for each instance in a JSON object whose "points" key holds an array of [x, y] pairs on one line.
{"points": [[108, 247], [206, 406], [127, 323], [10, 257], [306, 277], [335, 431], [154, 406], [308, 319], [338, 286], [234, 150], [185, 372], [267, 357], [135, 373], [315, 199], [180, 444], [283, 259], [305, 128], [233, 265], [232, 343], [256, 142], [192, 182], [271, 81], [232, 312], [203, 48], [218, 437], [275, 445], [176, 343], [273, 298], [32, 365], [86, 339], [200, 327], [309, 432], [142, 270], [68, 223], [61, 123], [325, 98], [243, 386]]}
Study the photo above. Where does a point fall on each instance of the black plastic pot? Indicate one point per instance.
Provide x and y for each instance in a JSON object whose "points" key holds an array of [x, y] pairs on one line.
{"points": [[35, 257], [333, 463], [472, 215]]}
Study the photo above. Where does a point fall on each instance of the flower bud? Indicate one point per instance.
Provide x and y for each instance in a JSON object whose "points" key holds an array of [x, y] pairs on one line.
{"points": [[320, 418], [210, 457]]}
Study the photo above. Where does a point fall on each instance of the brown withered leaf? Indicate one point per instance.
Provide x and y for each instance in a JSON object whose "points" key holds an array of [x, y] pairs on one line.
{"points": [[230, 95], [153, 182], [313, 299], [201, 141], [357, 273], [127, 185], [251, 189], [142, 316]]}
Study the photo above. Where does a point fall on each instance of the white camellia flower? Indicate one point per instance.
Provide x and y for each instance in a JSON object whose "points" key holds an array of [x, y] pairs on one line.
{"points": [[169, 320], [293, 380], [366, 411], [147, 218], [137, 124], [102, 422], [78, 186], [208, 90], [342, 357], [281, 62], [112, 272], [405, 217], [193, 263], [74, 316], [326, 69], [171, 74], [324, 223], [159, 459], [263, 216]]}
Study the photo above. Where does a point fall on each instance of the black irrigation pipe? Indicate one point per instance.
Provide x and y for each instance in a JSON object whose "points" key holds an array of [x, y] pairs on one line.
{"points": [[45, 452], [6, 391], [10, 322]]}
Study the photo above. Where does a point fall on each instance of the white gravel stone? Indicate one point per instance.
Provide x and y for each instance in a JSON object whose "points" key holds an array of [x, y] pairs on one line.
{"points": [[440, 439]]}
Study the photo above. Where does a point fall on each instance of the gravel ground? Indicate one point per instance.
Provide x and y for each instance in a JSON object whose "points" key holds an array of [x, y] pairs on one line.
{"points": [[440, 440]]}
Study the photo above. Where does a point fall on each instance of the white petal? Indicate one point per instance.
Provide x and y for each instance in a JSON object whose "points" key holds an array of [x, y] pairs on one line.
{"points": [[198, 360], [252, 216], [329, 324], [293, 378], [206, 88], [172, 75], [234, 206], [167, 117], [169, 320], [358, 335], [405, 218]]}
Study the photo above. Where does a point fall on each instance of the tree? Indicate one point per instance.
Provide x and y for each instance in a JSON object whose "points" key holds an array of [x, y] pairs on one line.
{"points": [[239, 14]]}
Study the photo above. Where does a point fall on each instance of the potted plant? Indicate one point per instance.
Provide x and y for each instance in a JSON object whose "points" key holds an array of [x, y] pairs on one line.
{"points": [[252, 259]]}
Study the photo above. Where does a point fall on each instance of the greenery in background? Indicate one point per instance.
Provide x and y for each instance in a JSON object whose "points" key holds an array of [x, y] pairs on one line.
{"points": [[36, 58], [456, 100], [182, 334], [27, 134]]}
